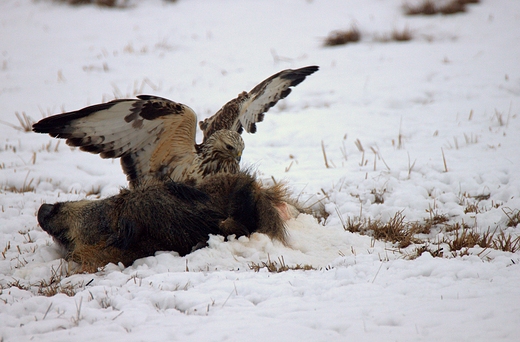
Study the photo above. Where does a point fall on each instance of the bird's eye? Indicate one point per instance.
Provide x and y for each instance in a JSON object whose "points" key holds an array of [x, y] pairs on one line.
{"points": [[229, 147]]}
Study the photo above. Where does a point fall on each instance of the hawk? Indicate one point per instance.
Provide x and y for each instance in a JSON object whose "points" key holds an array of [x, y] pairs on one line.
{"points": [[155, 137]]}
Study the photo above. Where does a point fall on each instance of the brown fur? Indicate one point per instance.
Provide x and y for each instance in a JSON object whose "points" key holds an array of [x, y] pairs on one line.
{"points": [[243, 196], [163, 216]]}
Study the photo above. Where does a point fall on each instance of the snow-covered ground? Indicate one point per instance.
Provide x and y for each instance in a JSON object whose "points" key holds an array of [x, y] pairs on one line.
{"points": [[437, 117]]}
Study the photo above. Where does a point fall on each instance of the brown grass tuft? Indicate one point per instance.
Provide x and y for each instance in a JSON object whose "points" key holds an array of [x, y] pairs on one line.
{"points": [[506, 243], [402, 36], [55, 284], [18, 284], [455, 226], [428, 7], [486, 239], [435, 219], [513, 216], [464, 238], [342, 37], [452, 8], [396, 230], [458, 236], [27, 186], [102, 3], [277, 267]]}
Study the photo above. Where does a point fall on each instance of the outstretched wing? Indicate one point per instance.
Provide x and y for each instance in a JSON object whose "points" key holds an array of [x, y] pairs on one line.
{"points": [[247, 109], [153, 136]]}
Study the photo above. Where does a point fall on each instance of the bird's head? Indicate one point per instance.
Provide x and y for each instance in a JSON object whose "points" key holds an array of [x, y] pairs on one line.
{"points": [[229, 144]]}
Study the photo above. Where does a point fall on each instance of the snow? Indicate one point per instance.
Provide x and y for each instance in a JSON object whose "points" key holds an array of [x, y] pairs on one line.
{"points": [[452, 91]]}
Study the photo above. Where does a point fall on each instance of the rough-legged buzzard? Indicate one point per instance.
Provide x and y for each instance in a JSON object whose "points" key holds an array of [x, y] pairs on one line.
{"points": [[155, 137]]}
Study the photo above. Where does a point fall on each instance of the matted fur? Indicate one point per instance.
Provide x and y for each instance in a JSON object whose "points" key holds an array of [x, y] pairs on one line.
{"points": [[163, 216]]}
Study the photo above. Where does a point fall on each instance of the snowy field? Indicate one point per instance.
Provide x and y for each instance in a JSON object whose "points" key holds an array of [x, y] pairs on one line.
{"points": [[426, 129]]}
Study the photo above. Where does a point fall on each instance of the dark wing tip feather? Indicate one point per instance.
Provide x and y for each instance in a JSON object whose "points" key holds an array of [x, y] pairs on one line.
{"points": [[71, 141], [57, 124], [306, 71], [90, 148], [298, 76], [110, 154], [105, 151]]}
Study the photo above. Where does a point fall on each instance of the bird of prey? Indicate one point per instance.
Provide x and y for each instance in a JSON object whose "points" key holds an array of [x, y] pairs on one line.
{"points": [[155, 137]]}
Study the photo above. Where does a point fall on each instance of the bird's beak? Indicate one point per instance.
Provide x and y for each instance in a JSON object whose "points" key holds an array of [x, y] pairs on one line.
{"points": [[238, 157]]}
